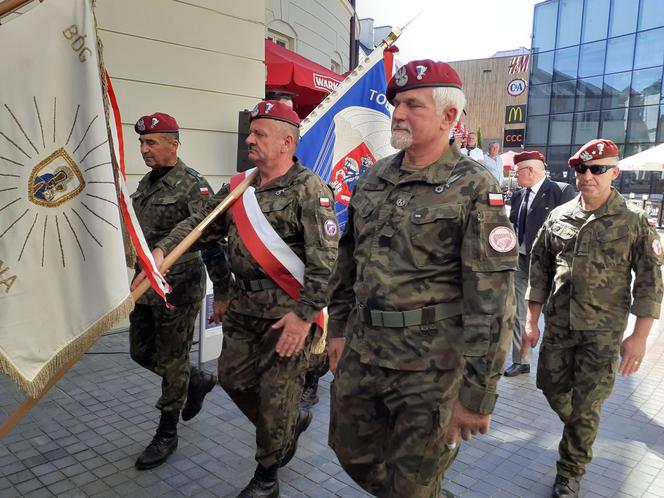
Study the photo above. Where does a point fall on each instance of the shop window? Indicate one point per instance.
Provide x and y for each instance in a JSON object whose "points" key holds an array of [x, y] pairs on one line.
{"points": [[556, 160]]}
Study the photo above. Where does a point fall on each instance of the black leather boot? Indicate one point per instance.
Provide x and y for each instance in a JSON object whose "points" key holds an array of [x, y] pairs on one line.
{"points": [[303, 421], [264, 484], [309, 396], [565, 487], [200, 383], [163, 443]]}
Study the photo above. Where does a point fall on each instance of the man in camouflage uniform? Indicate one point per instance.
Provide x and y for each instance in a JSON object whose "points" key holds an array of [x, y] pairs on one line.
{"points": [[581, 267], [423, 298], [160, 338], [267, 334]]}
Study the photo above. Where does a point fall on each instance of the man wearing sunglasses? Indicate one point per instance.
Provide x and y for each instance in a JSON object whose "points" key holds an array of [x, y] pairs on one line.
{"points": [[530, 207], [581, 267]]}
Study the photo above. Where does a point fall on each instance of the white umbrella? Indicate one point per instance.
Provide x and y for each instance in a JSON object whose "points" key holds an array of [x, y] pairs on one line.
{"points": [[650, 160]]}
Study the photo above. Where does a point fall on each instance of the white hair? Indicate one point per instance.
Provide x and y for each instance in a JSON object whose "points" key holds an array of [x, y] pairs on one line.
{"points": [[445, 96]]}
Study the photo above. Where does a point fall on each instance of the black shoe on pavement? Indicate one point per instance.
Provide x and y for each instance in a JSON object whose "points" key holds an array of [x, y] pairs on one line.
{"points": [[565, 487], [516, 369], [164, 442], [303, 421], [309, 397], [264, 484], [200, 383]]}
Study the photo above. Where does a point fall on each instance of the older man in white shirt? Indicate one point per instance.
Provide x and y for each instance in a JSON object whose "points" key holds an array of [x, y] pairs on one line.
{"points": [[494, 163]]}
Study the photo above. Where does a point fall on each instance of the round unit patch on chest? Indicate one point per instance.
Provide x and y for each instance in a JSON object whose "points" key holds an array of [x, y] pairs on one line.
{"points": [[502, 239]]}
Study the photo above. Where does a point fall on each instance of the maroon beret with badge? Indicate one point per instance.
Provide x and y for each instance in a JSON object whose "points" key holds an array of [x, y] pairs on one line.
{"points": [[526, 155], [595, 149], [422, 73], [273, 109], [156, 123]]}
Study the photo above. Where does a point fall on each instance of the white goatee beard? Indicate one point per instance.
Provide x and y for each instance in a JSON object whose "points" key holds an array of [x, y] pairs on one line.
{"points": [[400, 139]]}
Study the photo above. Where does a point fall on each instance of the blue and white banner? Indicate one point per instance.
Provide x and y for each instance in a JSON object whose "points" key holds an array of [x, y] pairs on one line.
{"points": [[349, 131]]}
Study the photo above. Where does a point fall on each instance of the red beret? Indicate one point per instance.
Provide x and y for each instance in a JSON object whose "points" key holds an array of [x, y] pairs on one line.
{"points": [[595, 149], [156, 123], [528, 154], [273, 109], [424, 73]]}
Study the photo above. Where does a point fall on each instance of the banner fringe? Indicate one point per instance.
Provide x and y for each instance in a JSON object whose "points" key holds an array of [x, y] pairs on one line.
{"points": [[72, 350]]}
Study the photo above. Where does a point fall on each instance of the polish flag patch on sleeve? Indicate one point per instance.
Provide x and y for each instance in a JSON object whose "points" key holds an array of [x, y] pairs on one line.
{"points": [[496, 200], [324, 201], [204, 191]]}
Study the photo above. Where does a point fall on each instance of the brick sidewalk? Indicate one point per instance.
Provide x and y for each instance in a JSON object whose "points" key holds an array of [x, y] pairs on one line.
{"points": [[83, 439]]}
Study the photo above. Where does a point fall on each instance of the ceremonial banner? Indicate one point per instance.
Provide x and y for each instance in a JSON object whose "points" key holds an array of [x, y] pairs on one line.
{"points": [[63, 277], [350, 130]]}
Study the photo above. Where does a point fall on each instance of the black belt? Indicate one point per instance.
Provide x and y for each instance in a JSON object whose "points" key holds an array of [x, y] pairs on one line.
{"points": [[400, 319], [256, 285]]}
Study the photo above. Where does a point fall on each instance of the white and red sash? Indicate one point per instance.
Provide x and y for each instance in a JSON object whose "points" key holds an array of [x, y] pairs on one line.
{"points": [[265, 245]]}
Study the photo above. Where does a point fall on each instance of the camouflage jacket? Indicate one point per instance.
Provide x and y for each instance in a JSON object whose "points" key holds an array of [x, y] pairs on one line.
{"points": [[160, 205], [295, 207], [581, 266], [415, 239]]}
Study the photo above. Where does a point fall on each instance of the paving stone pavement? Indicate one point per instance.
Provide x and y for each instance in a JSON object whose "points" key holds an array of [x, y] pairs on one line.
{"points": [[83, 437]]}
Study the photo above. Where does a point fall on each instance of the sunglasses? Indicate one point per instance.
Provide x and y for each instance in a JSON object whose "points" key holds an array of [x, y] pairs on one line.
{"points": [[595, 170]]}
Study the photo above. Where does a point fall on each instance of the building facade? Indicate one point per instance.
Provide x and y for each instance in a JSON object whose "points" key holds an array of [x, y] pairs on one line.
{"points": [[316, 29], [596, 71], [496, 92]]}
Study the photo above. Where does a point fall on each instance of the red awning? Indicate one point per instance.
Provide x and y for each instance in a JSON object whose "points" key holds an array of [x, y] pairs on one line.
{"points": [[292, 72]]}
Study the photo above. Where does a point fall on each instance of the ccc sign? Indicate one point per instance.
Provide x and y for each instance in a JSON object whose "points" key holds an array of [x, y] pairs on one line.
{"points": [[513, 138], [515, 114]]}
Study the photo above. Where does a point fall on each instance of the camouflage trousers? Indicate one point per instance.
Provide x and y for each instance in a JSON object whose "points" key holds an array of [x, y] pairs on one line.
{"points": [[266, 387], [159, 340], [317, 367], [388, 427], [576, 373]]}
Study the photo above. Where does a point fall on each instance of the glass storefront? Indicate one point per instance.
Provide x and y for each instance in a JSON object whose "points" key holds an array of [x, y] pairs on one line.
{"points": [[597, 71]]}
